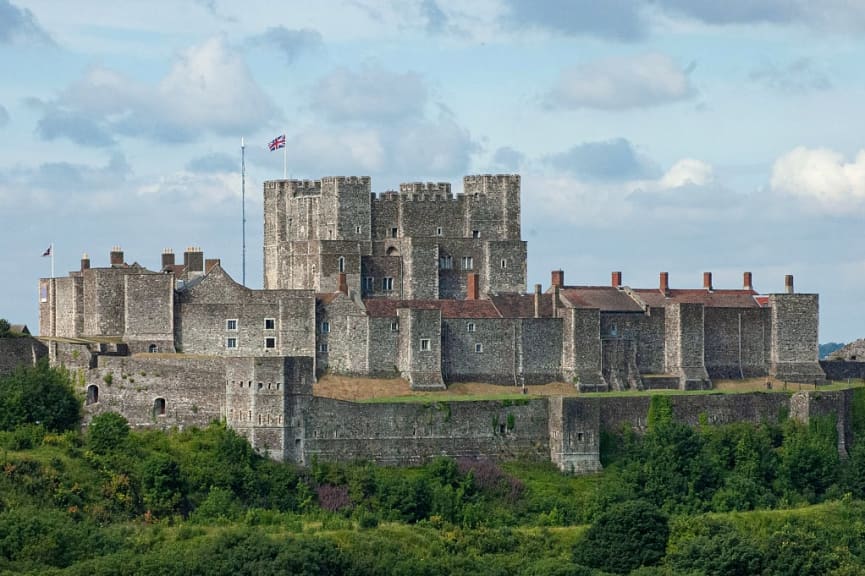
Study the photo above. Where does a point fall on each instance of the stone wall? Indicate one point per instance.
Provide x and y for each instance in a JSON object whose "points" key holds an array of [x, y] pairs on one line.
{"points": [[794, 343], [684, 334], [843, 369], [735, 342], [149, 311], [581, 348], [16, 352], [412, 433], [343, 337], [493, 362], [420, 352]]}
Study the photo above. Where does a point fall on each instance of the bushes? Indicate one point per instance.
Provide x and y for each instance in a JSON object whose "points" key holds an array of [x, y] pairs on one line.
{"points": [[39, 395]]}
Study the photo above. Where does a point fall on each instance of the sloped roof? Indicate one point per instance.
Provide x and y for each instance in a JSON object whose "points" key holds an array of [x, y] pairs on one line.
{"points": [[709, 298], [380, 308], [515, 305], [604, 298]]}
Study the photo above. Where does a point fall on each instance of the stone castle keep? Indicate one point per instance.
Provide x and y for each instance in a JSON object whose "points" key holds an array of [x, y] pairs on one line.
{"points": [[422, 284]]}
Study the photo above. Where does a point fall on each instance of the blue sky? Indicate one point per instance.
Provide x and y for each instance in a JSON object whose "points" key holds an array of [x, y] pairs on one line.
{"points": [[666, 135]]}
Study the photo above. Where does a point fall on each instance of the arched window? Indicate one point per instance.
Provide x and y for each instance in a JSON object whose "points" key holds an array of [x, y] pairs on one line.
{"points": [[92, 394], [153, 348], [159, 407], [393, 251], [342, 263]]}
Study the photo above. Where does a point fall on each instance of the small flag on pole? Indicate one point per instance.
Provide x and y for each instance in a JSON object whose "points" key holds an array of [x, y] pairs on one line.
{"points": [[47, 251], [277, 143]]}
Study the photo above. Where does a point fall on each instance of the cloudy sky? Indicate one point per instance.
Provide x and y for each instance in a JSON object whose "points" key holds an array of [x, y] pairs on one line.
{"points": [[652, 135]]}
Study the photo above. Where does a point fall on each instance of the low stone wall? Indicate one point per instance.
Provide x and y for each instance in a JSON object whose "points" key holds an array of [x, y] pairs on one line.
{"points": [[411, 433], [843, 369], [17, 351]]}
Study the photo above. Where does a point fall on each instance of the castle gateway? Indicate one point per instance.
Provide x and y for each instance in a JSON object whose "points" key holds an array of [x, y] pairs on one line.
{"points": [[419, 283]]}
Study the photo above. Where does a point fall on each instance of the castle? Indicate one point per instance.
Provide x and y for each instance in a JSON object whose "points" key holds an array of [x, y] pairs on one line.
{"points": [[422, 284]]}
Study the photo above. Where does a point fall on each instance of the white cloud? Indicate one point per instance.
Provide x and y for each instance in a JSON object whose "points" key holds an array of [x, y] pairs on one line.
{"points": [[822, 177], [622, 82], [370, 94], [687, 171], [209, 89]]}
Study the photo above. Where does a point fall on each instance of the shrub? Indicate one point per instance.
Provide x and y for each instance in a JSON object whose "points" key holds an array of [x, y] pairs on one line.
{"points": [[39, 395], [107, 432]]}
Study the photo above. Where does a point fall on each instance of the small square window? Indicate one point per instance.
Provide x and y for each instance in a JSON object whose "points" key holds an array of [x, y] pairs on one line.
{"points": [[270, 323], [387, 284], [468, 263], [446, 262], [322, 348], [424, 344], [325, 327], [470, 327], [394, 326], [476, 233], [270, 342], [479, 348], [393, 232], [231, 342], [231, 324], [368, 284]]}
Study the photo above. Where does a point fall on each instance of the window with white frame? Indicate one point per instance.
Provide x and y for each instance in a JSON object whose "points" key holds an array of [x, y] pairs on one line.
{"points": [[322, 347], [470, 327], [231, 324], [270, 342], [468, 263], [479, 348], [357, 229], [439, 231], [387, 284], [325, 327], [342, 263], [368, 284], [424, 345], [231, 342], [270, 323], [394, 326], [446, 262], [504, 263]]}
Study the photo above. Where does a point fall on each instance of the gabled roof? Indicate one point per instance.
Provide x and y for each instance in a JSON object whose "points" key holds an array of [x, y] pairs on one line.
{"points": [[604, 298], [709, 298], [513, 305], [380, 308]]}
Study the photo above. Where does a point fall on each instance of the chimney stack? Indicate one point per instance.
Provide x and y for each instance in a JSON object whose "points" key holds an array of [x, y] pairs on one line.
{"points": [[342, 283], [616, 279], [116, 256], [167, 258], [788, 283], [558, 278], [664, 283], [707, 280], [747, 284], [193, 261], [537, 300], [472, 291], [85, 262], [555, 301]]}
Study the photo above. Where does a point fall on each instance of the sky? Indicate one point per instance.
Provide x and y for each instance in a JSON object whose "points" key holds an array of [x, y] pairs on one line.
{"points": [[651, 135]]}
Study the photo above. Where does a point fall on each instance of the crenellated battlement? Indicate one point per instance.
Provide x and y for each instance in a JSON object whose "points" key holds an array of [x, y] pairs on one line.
{"points": [[433, 188], [491, 183]]}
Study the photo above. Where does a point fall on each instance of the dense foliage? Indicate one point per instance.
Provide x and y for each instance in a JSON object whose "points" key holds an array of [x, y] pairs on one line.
{"points": [[740, 499], [38, 396]]}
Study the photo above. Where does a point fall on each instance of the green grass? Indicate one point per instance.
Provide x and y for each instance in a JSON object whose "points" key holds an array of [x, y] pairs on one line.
{"points": [[433, 397]]}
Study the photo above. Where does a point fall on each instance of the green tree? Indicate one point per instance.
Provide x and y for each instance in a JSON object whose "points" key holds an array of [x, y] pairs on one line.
{"points": [[39, 395], [625, 537], [162, 486], [107, 432], [4, 327], [716, 550]]}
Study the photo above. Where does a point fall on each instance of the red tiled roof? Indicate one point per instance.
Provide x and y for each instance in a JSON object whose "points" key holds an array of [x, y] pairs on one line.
{"points": [[605, 298], [522, 305], [712, 299], [381, 308]]}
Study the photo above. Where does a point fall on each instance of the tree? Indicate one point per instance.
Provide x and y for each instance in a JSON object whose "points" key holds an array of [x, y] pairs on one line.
{"points": [[107, 432], [625, 537], [5, 327], [39, 395]]}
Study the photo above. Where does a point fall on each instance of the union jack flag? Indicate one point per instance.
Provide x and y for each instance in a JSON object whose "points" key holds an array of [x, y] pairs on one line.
{"points": [[277, 143], [47, 251]]}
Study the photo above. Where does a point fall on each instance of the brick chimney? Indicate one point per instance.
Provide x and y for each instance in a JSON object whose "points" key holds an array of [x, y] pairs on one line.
{"points": [[558, 278], [342, 283], [210, 263], [167, 258], [116, 256], [664, 283], [85, 262], [193, 261], [472, 288], [707, 280], [747, 284], [616, 279], [537, 300], [788, 283]]}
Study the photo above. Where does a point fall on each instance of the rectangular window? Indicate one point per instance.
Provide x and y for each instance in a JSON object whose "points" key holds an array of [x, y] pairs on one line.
{"points": [[325, 327], [424, 344], [479, 348], [231, 324], [504, 263], [43, 292], [393, 232], [394, 326], [322, 348], [231, 342], [468, 263], [368, 284], [446, 262], [476, 233], [439, 231], [270, 323], [387, 284], [270, 342], [357, 229], [470, 327]]}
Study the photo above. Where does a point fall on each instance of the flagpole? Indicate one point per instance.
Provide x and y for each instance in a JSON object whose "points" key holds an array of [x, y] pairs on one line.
{"points": [[285, 159], [52, 259], [243, 201]]}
